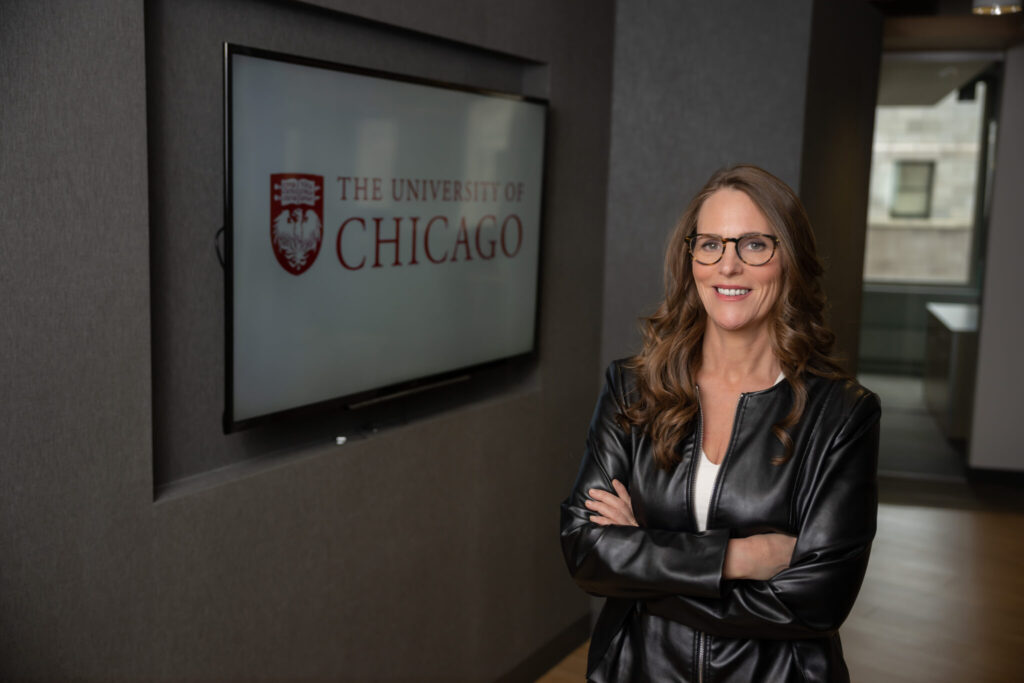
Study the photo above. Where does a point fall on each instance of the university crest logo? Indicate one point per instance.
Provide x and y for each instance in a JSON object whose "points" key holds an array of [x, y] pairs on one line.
{"points": [[296, 219]]}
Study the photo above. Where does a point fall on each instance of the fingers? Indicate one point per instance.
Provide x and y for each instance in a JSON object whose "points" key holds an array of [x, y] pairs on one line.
{"points": [[612, 512], [605, 497], [621, 495], [603, 521], [620, 489], [611, 508]]}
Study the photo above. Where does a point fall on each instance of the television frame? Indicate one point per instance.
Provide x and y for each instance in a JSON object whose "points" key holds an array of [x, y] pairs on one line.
{"points": [[395, 390]]}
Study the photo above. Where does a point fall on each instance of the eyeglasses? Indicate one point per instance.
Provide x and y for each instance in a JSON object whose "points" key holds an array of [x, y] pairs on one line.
{"points": [[754, 249]]}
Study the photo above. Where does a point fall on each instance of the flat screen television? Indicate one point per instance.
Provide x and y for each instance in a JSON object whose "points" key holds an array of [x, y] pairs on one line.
{"points": [[382, 232]]}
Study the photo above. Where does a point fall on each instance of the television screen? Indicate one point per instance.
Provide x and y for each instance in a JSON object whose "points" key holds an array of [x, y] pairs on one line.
{"points": [[380, 230]]}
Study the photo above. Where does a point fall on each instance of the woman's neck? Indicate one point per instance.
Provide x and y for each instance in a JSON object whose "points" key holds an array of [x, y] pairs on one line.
{"points": [[739, 359]]}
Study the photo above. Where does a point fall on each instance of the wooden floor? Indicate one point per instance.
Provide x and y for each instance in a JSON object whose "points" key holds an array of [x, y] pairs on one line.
{"points": [[943, 600]]}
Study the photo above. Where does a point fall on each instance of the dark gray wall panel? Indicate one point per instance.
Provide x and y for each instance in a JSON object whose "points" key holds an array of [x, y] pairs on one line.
{"points": [[427, 552], [696, 88], [75, 407], [842, 87]]}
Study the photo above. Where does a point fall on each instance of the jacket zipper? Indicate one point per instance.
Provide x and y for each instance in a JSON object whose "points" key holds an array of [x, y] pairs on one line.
{"points": [[701, 641], [701, 636]]}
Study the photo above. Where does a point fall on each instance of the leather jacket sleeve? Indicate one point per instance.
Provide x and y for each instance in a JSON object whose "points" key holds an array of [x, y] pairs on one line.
{"points": [[836, 507], [630, 562]]}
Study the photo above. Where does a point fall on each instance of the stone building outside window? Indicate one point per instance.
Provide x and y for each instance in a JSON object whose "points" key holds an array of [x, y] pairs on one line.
{"points": [[923, 187]]}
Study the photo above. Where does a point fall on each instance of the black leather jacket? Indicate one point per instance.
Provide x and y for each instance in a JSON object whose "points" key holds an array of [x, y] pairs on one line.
{"points": [[669, 614]]}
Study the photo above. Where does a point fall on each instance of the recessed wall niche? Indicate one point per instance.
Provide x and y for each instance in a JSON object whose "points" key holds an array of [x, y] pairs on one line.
{"points": [[185, 90]]}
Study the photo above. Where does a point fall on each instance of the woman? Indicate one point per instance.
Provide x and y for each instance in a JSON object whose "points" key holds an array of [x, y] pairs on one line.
{"points": [[726, 501]]}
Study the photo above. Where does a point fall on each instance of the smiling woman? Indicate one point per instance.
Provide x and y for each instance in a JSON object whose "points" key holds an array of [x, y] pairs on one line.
{"points": [[726, 501]]}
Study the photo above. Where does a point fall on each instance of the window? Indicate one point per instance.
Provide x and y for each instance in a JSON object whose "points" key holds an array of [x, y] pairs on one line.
{"points": [[924, 187], [912, 195]]}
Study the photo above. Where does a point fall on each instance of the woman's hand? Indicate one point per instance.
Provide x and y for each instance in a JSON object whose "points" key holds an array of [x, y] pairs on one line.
{"points": [[758, 557], [611, 508]]}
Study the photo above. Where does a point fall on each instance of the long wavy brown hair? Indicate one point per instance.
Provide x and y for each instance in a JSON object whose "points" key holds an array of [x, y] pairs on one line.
{"points": [[665, 406]]}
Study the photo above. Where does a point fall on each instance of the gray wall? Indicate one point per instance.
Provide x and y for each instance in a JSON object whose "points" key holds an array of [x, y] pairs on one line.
{"points": [[995, 432], [696, 89], [428, 551]]}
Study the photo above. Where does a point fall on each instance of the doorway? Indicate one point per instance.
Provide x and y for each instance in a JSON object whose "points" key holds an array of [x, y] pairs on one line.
{"points": [[931, 167]]}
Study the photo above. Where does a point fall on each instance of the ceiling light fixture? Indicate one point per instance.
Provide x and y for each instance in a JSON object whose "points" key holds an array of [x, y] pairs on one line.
{"points": [[994, 8]]}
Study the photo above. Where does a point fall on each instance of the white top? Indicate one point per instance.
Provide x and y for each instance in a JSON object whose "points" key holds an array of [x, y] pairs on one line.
{"points": [[707, 472], [704, 483]]}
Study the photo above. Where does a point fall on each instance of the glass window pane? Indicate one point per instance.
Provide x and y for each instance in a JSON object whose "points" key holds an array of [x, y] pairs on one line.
{"points": [[924, 172], [910, 204], [915, 175]]}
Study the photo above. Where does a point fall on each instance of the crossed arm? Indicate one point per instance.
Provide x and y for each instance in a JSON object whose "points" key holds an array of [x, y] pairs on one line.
{"points": [[759, 557]]}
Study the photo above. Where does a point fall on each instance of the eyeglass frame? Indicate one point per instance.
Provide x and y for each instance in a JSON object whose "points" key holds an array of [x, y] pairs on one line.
{"points": [[736, 247]]}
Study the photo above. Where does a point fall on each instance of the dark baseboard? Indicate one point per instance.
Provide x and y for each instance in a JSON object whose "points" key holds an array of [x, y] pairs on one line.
{"points": [[541, 661], [980, 490], [1014, 478], [890, 366]]}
